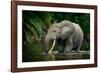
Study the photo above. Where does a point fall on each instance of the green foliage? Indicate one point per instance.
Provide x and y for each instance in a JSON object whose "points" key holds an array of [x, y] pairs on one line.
{"points": [[36, 24], [45, 17], [31, 25]]}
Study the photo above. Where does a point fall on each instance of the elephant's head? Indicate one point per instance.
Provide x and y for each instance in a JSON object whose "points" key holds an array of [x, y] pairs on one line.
{"points": [[58, 30]]}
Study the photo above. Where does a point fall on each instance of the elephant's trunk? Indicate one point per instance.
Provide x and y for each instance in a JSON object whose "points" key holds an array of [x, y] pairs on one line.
{"points": [[54, 41], [47, 41]]}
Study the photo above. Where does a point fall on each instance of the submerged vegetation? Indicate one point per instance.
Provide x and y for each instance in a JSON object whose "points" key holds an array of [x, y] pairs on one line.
{"points": [[35, 25]]}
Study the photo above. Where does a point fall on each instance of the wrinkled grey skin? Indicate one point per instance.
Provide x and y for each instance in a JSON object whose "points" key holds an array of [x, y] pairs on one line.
{"points": [[65, 33]]}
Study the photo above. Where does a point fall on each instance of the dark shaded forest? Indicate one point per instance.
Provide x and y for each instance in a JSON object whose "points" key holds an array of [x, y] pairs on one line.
{"points": [[35, 25]]}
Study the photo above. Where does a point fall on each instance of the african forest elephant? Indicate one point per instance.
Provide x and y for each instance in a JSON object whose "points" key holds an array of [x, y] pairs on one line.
{"points": [[64, 33]]}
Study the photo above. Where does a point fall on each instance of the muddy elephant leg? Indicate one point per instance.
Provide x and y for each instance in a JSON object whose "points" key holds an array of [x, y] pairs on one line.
{"points": [[68, 45], [60, 44], [60, 48]]}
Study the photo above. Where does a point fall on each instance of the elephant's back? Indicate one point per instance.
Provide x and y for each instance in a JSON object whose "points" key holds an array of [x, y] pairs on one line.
{"points": [[67, 23]]}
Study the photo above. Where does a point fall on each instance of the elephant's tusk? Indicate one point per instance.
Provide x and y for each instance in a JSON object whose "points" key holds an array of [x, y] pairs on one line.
{"points": [[54, 41]]}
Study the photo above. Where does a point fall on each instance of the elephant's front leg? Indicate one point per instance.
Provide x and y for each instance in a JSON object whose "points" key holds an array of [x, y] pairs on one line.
{"points": [[68, 45], [60, 44]]}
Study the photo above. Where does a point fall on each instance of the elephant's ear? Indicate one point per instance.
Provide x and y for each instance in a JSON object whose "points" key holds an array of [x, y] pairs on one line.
{"points": [[66, 32]]}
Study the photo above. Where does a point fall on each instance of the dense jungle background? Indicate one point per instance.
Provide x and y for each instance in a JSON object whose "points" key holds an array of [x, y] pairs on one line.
{"points": [[34, 28]]}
